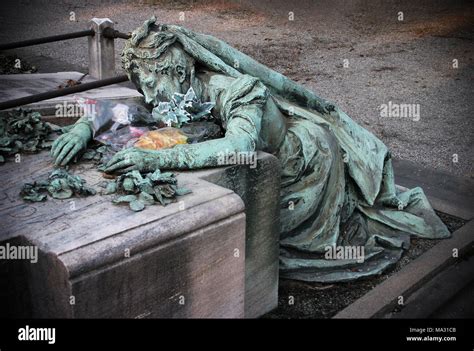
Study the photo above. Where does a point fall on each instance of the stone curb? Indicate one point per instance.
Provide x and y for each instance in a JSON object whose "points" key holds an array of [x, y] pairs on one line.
{"points": [[384, 297]]}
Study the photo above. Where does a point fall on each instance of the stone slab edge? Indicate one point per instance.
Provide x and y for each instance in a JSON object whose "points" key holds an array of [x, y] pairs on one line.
{"points": [[403, 283]]}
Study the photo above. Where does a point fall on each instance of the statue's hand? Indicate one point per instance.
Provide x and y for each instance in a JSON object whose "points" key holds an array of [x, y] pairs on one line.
{"points": [[134, 159], [69, 144]]}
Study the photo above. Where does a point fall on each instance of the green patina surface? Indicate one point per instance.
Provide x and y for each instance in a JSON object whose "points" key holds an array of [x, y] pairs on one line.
{"points": [[337, 187]]}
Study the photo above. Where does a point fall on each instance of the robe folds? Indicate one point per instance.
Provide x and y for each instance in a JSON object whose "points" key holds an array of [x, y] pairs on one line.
{"points": [[337, 190]]}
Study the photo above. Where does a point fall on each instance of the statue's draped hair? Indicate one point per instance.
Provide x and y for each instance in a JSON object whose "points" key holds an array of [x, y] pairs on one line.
{"points": [[147, 42]]}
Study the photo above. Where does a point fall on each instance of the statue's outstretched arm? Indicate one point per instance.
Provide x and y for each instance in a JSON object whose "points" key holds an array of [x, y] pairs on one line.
{"points": [[241, 136]]}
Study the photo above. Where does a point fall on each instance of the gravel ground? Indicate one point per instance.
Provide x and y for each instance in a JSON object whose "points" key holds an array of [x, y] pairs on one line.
{"points": [[313, 300], [403, 62]]}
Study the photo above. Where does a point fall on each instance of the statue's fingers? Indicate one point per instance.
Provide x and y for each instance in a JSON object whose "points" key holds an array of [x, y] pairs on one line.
{"points": [[128, 169], [53, 146], [119, 157], [61, 145], [56, 144], [64, 151], [71, 154], [119, 165]]}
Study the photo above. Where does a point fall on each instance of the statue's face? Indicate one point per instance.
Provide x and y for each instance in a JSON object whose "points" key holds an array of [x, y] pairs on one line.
{"points": [[159, 79]]}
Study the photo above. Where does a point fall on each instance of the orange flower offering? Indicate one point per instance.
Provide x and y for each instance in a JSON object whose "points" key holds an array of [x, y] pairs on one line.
{"points": [[161, 139]]}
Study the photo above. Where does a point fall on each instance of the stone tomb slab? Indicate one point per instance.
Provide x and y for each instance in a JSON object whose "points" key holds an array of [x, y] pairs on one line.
{"points": [[183, 260], [98, 260]]}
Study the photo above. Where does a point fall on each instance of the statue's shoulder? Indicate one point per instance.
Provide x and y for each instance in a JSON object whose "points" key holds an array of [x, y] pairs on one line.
{"points": [[228, 89], [220, 80], [225, 81], [243, 91], [250, 86]]}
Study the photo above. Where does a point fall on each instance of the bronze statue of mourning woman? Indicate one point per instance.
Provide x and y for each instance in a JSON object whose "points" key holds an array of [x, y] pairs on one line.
{"points": [[337, 184]]}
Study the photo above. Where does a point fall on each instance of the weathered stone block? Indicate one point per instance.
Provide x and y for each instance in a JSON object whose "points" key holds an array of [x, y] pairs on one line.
{"points": [[100, 260], [259, 188], [204, 259]]}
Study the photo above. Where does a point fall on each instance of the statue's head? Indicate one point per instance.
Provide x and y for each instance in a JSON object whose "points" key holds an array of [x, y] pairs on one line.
{"points": [[157, 64]]}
